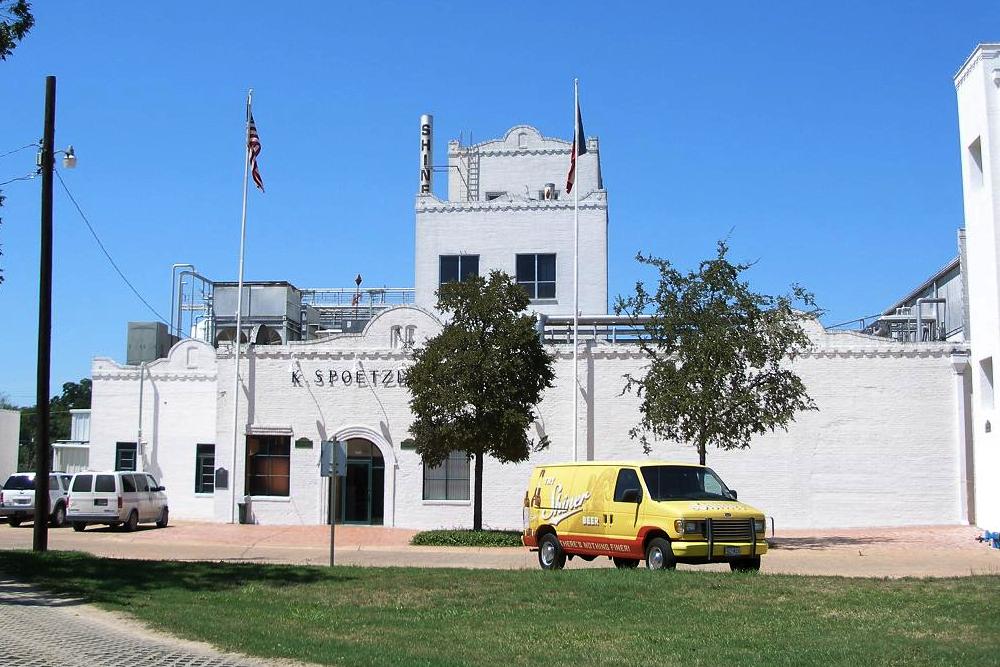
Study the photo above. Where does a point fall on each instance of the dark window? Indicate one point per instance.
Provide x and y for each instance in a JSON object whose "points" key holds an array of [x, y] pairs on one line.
{"points": [[627, 480], [105, 484], [66, 479], [537, 275], [684, 483], [128, 483], [151, 483], [125, 456], [19, 483], [458, 268], [53, 483], [82, 483], [204, 469], [448, 481], [268, 465], [142, 483]]}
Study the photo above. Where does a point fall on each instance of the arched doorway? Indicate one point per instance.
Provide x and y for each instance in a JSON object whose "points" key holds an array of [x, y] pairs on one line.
{"points": [[361, 499]]}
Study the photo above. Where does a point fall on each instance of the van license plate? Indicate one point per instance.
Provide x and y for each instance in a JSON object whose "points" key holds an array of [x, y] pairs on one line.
{"points": [[100, 502], [732, 551]]}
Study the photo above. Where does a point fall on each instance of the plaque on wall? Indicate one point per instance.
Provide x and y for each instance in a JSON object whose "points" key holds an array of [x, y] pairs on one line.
{"points": [[221, 478]]}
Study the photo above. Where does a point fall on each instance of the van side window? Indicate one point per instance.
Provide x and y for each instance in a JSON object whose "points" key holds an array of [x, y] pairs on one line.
{"points": [[66, 479], [128, 484], [53, 483], [81, 483], [627, 479], [105, 484], [141, 484], [152, 482]]}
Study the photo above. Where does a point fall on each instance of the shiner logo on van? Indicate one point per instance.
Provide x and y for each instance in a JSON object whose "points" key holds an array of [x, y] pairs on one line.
{"points": [[564, 507]]}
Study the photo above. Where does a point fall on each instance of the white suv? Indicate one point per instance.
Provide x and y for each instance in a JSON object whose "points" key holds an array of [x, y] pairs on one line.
{"points": [[17, 499], [116, 499]]}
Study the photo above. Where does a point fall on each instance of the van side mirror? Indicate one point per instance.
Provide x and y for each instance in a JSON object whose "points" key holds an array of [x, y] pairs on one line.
{"points": [[632, 496], [732, 493], [160, 488]]}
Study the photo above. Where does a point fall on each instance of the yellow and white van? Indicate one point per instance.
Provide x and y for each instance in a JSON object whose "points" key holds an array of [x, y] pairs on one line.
{"points": [[661, 512]]}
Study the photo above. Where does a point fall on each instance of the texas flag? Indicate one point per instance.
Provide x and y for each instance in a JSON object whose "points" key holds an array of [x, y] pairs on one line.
{"points": [[579, 148]]}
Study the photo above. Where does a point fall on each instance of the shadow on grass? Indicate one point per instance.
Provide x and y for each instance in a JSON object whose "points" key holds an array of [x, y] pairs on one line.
{"points": [[112, 580], [14, 594], [819, 543]]}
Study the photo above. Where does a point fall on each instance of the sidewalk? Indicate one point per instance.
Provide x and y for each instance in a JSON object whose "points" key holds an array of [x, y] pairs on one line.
{"points": [[939, 551]]}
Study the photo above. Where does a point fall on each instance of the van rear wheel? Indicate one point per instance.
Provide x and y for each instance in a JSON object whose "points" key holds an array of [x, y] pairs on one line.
{"points": [[132, 522], [59, 516], [14, 523], [625, 563], [550, 553], [659, 555], [79, 526]]}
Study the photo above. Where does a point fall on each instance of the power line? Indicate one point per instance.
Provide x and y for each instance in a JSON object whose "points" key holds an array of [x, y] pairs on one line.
{"points": [[18, 150], [21, 178], [105, 250]]}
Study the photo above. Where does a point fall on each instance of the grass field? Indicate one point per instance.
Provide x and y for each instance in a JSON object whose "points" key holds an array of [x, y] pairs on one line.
{"points": [[370, 616]]}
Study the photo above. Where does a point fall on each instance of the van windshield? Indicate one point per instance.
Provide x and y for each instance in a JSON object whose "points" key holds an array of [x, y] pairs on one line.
{"points": [[684, 483]]}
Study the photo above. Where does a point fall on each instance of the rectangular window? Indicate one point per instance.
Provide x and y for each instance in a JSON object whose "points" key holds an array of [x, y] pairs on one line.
{"points": [[105, 484], [82, 483], [448, 481], [537, 275], [204, 469], [458, 268], [128, 483], [268, 465], [125, 455]]}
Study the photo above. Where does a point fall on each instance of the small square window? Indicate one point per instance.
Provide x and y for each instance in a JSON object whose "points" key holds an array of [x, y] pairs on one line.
{"points": [[458, 268], [537, 275]]}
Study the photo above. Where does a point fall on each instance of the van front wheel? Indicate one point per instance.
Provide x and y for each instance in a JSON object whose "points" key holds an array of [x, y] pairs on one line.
{"points": [[659, 555], [625, 563], [550, 553], [745, 564]]}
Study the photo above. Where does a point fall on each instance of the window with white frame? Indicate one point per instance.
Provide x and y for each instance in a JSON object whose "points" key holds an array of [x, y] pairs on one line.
{"points": [[537, 275], [204, 469], [448, 481]]}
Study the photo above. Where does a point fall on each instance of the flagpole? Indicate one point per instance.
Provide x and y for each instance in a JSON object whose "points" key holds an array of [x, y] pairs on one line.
{"points": [[239, 318], [576, 264]]}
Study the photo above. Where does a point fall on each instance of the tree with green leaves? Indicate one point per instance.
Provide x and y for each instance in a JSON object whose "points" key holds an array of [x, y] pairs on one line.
{"points": [[719, 355], [475, 385], [15, 22], [75, 395]]}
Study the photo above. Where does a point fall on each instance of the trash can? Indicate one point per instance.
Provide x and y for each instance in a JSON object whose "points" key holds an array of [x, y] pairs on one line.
{"points": [[244, 510]]}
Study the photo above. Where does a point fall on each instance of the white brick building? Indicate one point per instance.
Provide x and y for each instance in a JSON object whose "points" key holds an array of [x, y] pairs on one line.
{"points": [[889, 445]]}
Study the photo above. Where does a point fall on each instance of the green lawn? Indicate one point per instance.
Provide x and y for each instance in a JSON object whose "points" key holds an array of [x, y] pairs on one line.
{"points": [[370, 616]]}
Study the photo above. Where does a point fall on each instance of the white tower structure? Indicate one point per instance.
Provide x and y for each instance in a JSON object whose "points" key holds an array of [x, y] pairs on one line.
{"points": [[978, 87], [507, 209]]}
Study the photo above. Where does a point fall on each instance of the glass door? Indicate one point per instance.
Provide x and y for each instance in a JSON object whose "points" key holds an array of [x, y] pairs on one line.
{"points": [[357, 491]]}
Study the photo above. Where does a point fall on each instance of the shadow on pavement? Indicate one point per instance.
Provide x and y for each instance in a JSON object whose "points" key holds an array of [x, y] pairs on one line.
{"points": [[14, 594], [819, 543]]}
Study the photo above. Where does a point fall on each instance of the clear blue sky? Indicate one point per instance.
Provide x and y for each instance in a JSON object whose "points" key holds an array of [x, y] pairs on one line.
{"points": [[824, 136]]}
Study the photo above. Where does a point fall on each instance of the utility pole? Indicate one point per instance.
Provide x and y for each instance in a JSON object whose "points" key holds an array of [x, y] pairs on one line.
{"points": [[46, 161]]}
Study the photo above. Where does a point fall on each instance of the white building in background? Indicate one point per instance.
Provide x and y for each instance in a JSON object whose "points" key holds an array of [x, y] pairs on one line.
{"points": [[895, 440], [978, 87]]}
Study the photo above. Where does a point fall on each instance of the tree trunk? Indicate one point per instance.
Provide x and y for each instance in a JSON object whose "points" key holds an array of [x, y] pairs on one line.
{"points": [[701, 452], [477, 503]]}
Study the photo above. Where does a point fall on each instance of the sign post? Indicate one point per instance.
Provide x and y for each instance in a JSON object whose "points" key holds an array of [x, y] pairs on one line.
{"points": [[332, 464]]}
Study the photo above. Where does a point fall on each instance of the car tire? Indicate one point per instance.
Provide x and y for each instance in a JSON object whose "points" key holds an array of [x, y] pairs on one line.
{"points": [[625, 563], [659, 555], [745, 564], [164, 517], [14, 523], [550, 553], [79, 526], [58, 519], [132, 522]]}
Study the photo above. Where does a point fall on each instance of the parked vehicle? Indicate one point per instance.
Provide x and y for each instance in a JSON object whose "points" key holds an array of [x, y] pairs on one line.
{"points": [[17, 499], [661, 512], [116, 499]]}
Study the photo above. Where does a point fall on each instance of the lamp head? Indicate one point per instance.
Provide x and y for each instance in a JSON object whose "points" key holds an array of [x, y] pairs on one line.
{"points": [[69, 158]]}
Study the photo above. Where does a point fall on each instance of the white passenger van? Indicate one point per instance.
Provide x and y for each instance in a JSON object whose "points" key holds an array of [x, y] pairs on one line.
{"points": [[116, 499]]}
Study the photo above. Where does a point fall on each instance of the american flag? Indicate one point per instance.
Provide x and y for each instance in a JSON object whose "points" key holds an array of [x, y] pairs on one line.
{"points": [[253, 147]]}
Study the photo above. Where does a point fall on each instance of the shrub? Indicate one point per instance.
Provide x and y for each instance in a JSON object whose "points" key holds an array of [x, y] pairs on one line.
{"points": [[467, 538]]}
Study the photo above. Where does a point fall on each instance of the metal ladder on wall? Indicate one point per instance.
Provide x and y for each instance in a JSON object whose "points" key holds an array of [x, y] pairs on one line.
{"points": [[472, 173]]}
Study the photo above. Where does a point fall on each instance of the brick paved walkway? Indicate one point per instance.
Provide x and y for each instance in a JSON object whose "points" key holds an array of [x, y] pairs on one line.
{"points": [[40, 630]]}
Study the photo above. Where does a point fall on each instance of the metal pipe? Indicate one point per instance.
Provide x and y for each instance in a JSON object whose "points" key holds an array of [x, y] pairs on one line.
{"points": [[173, 288], [920, 318], [138, 440]]}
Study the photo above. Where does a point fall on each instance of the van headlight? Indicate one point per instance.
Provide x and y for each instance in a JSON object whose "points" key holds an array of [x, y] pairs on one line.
{"points": [[689, 527], [759, 525]]}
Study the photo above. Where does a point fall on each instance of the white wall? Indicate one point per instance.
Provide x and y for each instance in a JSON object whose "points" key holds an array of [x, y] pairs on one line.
{"points": [[978, 91], [883, 449], [10, 432], [179, 408]]}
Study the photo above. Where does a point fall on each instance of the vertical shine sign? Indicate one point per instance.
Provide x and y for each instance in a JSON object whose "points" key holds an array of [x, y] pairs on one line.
{"points": [[426, 155]]}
